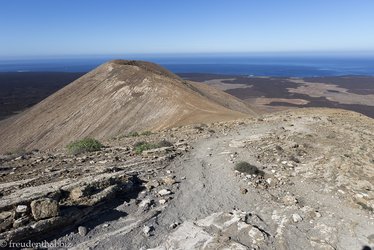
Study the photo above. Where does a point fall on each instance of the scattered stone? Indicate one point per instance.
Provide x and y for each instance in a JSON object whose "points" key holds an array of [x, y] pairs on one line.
{"points": [[6, 220], [180, 144], [164, 192], [152, 184], [269, 181], [296, 218], [169, 180], [142, 194], [182, 149], [19, 158], [243, 190], [44, 208], [256, 235], [145, 203], [162, 201], [22, 221], [237, 144], [79, 192], [157, 151], [82, 231], [174, 225], [289, 200], [147, 230], [21, 209]]}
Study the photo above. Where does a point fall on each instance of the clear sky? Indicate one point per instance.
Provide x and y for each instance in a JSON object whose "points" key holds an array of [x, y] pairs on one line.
{"points": [[99, 27]]}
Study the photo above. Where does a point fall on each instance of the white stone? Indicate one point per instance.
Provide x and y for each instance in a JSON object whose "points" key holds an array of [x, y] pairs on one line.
{"points": [[296, 218], [164, 192], [21, 209], [147, 230], [256, 234], [82, 231], [145, 203], [174, 225]]}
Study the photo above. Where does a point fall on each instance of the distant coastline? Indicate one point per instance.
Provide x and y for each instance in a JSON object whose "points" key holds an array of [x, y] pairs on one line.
{"points": [[247, 66]]}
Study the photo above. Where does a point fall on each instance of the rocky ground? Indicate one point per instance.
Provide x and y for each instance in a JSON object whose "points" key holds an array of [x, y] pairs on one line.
{"points": [[313, 188]]}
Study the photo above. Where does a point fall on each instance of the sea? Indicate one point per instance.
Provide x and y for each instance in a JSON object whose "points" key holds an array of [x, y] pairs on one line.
{"points": [[277, 66]]}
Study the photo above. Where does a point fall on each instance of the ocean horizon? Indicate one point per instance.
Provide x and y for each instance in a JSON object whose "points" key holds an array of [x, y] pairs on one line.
{"points": [[235, 65]]}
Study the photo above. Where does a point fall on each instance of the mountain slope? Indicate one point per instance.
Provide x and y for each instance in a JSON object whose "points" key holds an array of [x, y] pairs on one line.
{"points": [[116, 98]]}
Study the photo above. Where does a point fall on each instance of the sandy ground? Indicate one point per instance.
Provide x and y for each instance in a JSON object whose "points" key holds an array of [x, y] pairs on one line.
{"points": [[331, 92], [220, 84], [264, 101]]}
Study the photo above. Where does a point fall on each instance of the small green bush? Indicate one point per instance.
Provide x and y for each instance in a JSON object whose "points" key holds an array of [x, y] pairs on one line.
{"points": [[84, 145], [141, 146], [245, 167]]}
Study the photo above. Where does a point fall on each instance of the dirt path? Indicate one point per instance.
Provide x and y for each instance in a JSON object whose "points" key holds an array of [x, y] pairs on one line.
{"points": [[212, 186]]}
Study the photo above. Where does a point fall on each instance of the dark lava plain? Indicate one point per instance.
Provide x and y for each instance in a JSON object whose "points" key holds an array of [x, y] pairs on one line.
{"points": [[22, 90], [19, 91], [277, 87]]}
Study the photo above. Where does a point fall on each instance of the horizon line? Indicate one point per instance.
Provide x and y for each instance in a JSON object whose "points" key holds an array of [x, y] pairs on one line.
{"points": [[362, 53]]}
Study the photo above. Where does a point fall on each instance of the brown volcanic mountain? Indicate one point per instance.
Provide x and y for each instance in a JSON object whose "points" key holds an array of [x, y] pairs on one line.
{"points": [[116, 98]]}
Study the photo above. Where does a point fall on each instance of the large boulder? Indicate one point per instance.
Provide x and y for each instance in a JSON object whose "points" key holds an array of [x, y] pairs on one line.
{"points": [[6, 220], [44, 208]]}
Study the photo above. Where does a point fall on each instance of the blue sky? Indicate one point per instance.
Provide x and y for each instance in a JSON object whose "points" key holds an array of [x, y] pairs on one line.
{"points": [[100, 27]]}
